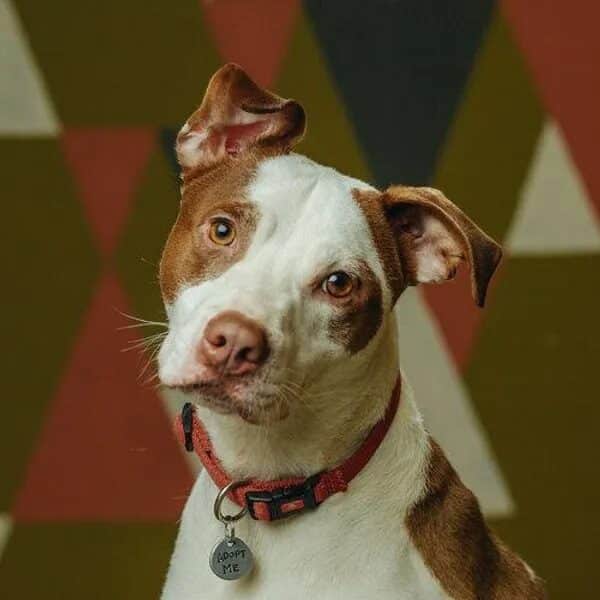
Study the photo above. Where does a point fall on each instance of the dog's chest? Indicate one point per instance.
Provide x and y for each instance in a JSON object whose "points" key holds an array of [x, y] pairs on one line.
{"points": [[337, 552]]}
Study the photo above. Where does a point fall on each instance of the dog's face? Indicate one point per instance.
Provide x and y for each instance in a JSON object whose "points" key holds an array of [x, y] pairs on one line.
{"points": [[279, 269]]}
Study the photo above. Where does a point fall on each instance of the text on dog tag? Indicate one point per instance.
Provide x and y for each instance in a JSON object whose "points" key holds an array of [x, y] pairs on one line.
{"points": [[231, 559]]}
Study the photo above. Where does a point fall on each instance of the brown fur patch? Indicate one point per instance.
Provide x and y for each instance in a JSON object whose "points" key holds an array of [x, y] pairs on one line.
{"points": [[448, 529], [359, 316], [187, 258], [383, 238], [238, 125]]}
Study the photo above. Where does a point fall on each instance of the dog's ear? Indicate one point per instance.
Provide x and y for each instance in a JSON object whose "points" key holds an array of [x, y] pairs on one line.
{"points": [[235, 116], [434, 236]]}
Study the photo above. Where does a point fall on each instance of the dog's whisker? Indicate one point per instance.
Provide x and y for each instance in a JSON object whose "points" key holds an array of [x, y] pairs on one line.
{"points": [[155, 336], [286, 386], [149, 338], [149, 362], [292, 383], [150, 381], [143, 345], [298, 396], [141, 320], [145, 324]]}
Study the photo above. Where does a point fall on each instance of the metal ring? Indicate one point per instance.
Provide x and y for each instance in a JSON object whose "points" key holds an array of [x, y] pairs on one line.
{"points": [[219, 501]]}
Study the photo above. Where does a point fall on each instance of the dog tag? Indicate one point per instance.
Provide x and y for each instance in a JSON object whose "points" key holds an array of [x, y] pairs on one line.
{"points": [[230, 558]]}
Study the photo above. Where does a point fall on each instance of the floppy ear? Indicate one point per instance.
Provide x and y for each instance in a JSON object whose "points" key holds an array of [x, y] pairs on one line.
{"points": [[434, 236], [234, 116]]}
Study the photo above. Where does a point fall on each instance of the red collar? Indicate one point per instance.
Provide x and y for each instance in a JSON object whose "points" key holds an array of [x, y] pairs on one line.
{"points": [[271, 500]]}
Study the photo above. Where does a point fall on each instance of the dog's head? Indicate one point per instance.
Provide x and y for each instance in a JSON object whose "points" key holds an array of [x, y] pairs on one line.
{"points": [[277, 268]]}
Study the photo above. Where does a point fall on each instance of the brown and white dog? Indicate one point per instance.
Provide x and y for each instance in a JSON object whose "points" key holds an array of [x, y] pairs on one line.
{"points": [[280, 277]]}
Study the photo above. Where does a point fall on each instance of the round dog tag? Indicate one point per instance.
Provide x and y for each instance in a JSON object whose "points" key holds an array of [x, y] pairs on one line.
{"points": [[231, 559]]}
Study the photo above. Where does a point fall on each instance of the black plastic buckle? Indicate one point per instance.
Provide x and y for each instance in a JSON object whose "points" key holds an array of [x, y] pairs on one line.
{"points": [[187, 420], [277, 498]]}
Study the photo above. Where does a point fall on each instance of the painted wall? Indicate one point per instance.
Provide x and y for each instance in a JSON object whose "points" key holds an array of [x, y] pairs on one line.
{"points": [[496, 103]]}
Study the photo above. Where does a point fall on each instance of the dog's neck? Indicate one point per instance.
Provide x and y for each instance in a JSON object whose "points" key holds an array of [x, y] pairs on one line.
{"points": [[329, 420]]}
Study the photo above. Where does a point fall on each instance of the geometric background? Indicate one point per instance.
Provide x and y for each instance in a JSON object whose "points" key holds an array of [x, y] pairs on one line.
{"points": [[494, 102]]}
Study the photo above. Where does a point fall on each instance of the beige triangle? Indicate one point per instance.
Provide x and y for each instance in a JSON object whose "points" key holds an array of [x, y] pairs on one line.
{"points": [[554, 215], [445, 404], [26, 109]]}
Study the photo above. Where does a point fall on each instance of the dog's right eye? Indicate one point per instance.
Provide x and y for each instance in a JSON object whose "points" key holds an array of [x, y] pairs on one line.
{"points": [[338, 284], [221, 232]]}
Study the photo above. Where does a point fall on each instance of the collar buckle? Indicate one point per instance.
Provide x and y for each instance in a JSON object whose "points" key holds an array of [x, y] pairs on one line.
{"points": [[285, 501], [187, 421]]}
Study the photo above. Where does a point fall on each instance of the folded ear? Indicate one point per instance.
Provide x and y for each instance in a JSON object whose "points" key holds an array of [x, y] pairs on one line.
{"points": [[434, 236], [234, 116]]}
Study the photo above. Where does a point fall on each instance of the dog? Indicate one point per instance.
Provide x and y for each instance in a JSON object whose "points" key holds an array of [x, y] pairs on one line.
{"points": [[279, 279]]}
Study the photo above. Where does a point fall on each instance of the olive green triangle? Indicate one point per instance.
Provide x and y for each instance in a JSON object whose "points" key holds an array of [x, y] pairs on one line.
{"points": [[50, 269], [533, 380], [113, 62], [95, 561], [330, 137], [489, 147], [145, 233]]}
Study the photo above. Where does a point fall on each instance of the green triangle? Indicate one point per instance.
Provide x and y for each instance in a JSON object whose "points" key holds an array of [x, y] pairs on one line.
{"points": [[145, 233], [51, 268], [330, 138], [96, 561], [489, 147], [121, 63], [533, 379]]}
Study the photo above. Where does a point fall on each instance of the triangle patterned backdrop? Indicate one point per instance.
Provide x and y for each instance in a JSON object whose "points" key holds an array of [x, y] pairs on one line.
{"points": [[494, 102]]}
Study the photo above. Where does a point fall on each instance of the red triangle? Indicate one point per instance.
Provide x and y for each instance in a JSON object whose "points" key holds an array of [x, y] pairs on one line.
{"points": [[561, 44], [106, 165], [106, 451], [253, 34], [458, 317]]}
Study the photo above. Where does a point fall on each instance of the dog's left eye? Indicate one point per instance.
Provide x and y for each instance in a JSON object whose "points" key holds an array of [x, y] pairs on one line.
{"points": [[338, 284], [222, 232]]}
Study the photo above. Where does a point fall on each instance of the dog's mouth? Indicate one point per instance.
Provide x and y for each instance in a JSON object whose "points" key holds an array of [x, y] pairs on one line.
{"points": [[258, 403]]}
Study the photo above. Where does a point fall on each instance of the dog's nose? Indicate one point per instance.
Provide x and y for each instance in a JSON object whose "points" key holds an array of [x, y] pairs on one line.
{"points": [[233, 344]]}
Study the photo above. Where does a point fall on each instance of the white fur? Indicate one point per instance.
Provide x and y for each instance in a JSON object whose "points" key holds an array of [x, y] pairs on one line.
{"points": [[355, 545], [308, 222]]}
